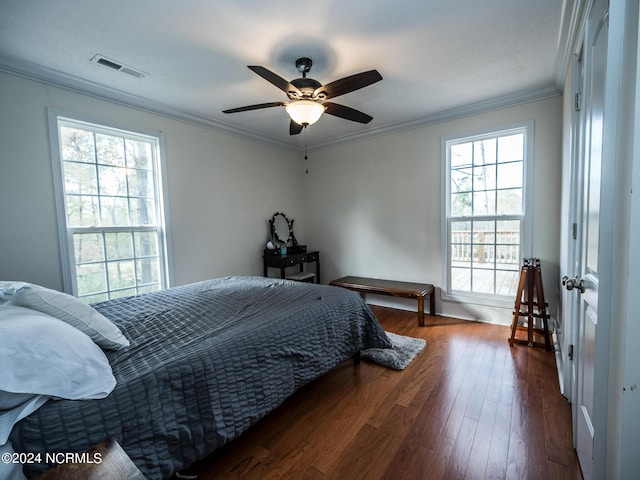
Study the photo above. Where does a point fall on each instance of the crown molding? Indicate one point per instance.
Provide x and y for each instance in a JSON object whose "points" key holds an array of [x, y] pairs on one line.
{"points": [[70, 82], [63, 80], [452, 114]]}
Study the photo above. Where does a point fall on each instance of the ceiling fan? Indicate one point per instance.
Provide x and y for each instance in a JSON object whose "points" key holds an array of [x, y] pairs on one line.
{"points": [[308, 96]]}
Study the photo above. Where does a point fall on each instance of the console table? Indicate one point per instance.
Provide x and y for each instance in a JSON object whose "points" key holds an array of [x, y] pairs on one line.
{"points": [[272, 260]]}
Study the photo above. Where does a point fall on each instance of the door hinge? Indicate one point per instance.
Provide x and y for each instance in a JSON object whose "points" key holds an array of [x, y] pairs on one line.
{"points": [[578, 102], [574, 230], [571, 352]]}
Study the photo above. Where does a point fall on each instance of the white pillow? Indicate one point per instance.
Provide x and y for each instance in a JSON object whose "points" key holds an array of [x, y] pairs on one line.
{"points": [[45, 357], [73, 311]]}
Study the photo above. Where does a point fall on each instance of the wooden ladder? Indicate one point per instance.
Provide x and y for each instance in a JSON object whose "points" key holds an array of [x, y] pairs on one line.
{"points": [[531, 296]]}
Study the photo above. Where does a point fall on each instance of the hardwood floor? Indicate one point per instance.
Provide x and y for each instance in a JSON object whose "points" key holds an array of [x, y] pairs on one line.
{"points": [[468, 407]]}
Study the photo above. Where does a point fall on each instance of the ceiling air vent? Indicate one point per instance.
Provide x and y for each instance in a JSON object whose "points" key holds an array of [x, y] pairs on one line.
{"points": [[107, 62]]}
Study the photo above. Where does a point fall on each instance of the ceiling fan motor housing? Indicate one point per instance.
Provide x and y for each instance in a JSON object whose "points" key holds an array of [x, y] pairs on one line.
{"points": [[306, 85], [304, 64]]}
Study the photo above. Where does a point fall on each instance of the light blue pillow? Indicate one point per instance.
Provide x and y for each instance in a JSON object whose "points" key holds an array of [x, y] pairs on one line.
{"points": [[7, 289], [71, 310]]}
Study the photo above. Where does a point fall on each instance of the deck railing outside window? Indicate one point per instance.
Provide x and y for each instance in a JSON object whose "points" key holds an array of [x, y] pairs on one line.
{"points": [[481, 248]]}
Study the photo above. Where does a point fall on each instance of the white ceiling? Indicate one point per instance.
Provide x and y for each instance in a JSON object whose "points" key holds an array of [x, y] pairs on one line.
{"points": [[438, 58]]}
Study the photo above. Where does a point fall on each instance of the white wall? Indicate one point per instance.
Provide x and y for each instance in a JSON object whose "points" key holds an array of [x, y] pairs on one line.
{"points": [[373, 206], [222, 189]]}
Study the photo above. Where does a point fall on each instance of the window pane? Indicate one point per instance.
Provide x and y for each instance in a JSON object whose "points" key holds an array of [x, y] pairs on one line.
{"points": [[113, 181], [508, 232], [484, 232], [508, 257], [77, 145], [460, 204], [143, 212], [114, 211], [80, 178], [511, 148], [484, 152], [91, 278], [510, 175], [461, 243], [82, 210], [483, 256], [461, 180], [507, 282], [88, 247], [110, 150], [510, 202], [119, 245], [129, 292], [461, 279], [483, 281], [140, 183], [484, 203], [484, 178], [148, 288], [461, 155], [121, 274], [138, 154], [146, 244], [148, 270], [101, 297]]}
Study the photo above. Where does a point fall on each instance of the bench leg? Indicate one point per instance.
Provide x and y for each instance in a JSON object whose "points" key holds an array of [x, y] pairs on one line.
{"points": [[432, 302], [421, 311]]}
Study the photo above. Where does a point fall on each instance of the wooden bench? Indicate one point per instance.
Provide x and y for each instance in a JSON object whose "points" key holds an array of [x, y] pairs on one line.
{"points": [[393, 288]]}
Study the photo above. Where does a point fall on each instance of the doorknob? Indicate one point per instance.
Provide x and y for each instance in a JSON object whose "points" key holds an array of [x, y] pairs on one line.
{"points": [[571, 283]]}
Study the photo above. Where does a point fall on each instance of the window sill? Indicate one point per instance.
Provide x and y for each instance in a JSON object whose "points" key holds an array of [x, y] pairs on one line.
{"points": [[498, 301]]}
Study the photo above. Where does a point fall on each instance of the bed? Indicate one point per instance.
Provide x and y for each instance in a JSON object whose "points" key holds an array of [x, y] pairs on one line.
{"points": [[205, 362]]}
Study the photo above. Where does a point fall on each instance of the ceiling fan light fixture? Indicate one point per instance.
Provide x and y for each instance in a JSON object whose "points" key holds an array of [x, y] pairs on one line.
{"points": [[305, 112]]}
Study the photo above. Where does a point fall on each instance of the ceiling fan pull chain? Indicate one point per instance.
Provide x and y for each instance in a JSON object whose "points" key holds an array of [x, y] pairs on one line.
{"points": [[306, 158]]}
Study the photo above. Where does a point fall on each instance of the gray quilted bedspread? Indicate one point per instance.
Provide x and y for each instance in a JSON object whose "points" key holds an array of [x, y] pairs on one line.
{"points": [[206, 361]]}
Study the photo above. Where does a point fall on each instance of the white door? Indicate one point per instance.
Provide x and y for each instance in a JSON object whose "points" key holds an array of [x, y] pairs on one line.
{"points": [[595, 59]]}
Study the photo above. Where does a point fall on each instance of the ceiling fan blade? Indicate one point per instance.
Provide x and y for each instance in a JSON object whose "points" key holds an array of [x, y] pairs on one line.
{"points": [[347, 113], [275, 79], [348, 84], [294, 128], [255, 107]]}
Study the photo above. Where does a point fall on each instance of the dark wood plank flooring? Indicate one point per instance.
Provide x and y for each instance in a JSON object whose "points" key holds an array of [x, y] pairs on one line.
{"points": [[470, 406]]}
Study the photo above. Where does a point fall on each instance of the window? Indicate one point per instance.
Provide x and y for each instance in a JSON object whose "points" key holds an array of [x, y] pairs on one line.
{"points": [[485, 218], [110, 209]]}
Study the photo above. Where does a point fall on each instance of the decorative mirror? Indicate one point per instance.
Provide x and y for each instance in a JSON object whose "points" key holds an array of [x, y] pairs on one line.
{"points": [[281, 229]]}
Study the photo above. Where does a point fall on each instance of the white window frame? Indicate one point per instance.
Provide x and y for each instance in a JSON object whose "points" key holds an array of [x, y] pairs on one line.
{"points": [[56, 119], [493, 300]]}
